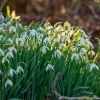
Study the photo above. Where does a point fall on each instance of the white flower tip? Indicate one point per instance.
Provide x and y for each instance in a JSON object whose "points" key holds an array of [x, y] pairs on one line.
{"points": [[19, 69], [49, 67], [93, 66], [8, 82]]}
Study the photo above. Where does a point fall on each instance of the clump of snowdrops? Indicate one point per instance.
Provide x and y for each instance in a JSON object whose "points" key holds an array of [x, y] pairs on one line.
{"points": [[31, 56]]}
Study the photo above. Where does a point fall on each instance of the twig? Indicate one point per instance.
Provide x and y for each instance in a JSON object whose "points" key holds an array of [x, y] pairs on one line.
{"points": [[94, 13], [60, 97]]}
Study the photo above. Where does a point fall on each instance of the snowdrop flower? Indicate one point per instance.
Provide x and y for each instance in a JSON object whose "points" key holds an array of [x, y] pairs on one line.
{"points": [[11, 72], [1, 52], [83, 50], [19, 69], [44, 49], [59, 28], [84, 35], [75, 56], [91, 53], [1, 36], [68, 25], [93, 66], [74, 49], [82, 40], [56, 40], [40, 29], [10, 40], [19, 40], [80, 30], [33, 32], [39, 36], [49, 27], [49, 66], [1, 17], [88, 44], [58, 36], [71, 33], [57, 53], [67, 38], [47, 40], [4, 59], [11, 49], [9, 55], [18, 25], [24, 36], [12, 29], [8, 82], [61, 46]]}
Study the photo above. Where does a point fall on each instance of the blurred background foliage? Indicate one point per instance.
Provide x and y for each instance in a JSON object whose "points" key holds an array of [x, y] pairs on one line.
{"points": [[85, 13]]}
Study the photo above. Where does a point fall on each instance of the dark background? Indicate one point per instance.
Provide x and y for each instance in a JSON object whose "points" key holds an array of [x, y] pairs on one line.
{"points": [[85, 13]]}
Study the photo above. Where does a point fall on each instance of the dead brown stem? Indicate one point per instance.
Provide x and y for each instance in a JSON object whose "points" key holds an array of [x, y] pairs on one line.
{"points": [[60, 97]]}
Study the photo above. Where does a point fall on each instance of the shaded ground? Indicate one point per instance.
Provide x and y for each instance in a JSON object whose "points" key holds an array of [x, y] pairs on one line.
{"points": [[85, 13]]}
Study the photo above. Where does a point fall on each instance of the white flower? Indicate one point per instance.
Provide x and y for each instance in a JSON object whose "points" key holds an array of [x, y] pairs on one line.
{"points": [[75, 56], [18, 25], [19, 40], [62, 37], [67, 38], [56, 40], [84, 35], [88, 44], [83, 50], [39, 36], [68, 25], [49, 66], [91, 53], [9, 55], [4, 59], [57, 53], [11, 72], [2, 52], [93, 66], [40, 29], [59, 28], [44, 49], [61, 46], [8, 82], [12, 29], [12, 49], [1, 17], [80, 30], [33, 32], [23, 35], [82, 40], [10, 40], [71, 33], [19, 69], [47, 40], [1, 36]]}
